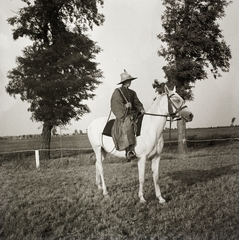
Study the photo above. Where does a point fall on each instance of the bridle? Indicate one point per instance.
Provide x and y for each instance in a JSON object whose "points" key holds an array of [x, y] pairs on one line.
{"points": [[171, 114]]}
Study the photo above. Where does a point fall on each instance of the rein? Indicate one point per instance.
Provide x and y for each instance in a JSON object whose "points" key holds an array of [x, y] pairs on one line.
{"points": [[173, 115]]}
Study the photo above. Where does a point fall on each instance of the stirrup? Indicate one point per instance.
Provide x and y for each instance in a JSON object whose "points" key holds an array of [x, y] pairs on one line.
{"points": [[131, 155]]}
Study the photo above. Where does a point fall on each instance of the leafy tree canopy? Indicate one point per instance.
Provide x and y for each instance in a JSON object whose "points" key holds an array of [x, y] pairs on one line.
{"points": [[192, 42], [58, 72]]}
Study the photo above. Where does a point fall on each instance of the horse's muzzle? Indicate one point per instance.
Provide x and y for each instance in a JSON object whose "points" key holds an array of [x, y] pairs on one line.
{"points": [[189, 117]]}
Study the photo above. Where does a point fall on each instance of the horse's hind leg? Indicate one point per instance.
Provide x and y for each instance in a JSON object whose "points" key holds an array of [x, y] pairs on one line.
{"points": [[100, 182], [155, 171], [141, 167]]}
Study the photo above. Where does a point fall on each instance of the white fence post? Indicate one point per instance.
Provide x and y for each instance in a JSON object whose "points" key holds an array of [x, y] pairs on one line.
{"points": [[37, 159]]}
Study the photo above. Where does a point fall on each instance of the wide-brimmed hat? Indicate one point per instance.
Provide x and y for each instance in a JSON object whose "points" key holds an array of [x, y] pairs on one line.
{"points": [[126, 77]]}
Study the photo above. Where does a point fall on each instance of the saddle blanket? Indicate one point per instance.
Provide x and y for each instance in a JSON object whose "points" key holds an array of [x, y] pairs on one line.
{"points": [[109, 125]]}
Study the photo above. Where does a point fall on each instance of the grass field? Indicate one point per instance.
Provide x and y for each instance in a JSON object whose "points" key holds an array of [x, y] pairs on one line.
{"points": [[61, 201]]}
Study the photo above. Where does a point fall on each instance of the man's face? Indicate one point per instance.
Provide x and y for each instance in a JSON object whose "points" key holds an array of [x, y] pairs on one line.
{"points": [[127, 83]]}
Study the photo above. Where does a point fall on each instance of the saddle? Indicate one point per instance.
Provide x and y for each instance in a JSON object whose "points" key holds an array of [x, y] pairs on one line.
{"points": [[110, 123]]}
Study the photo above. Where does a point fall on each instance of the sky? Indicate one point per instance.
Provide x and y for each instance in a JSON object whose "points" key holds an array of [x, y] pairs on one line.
{"points": [[129, 41]]}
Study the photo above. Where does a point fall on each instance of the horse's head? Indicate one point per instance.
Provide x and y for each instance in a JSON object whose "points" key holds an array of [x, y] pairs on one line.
{"points": [[176, 105]]}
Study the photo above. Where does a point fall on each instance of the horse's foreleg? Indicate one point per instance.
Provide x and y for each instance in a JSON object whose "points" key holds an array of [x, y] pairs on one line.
{"points": [[141, 167], [155, 171], [100, 182]]}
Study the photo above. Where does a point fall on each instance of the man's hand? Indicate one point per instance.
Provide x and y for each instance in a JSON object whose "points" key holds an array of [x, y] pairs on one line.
{"points": [[142, 111], [128, 105]]}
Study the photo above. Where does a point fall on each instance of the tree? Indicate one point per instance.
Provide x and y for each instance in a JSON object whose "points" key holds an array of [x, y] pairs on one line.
{"points": [[193, 42], [232, 121], [58, 72]]}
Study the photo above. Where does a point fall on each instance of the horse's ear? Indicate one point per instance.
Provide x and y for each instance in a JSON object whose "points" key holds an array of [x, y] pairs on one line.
{"points": [[174, 89], [166, 89]]}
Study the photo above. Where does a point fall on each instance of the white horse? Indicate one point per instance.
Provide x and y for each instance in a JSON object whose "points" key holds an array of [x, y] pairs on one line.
{"points": [[149, 144]]}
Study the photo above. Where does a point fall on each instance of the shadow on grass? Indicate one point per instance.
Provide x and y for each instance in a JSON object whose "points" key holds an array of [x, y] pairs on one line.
{"points": [[190, 177]]}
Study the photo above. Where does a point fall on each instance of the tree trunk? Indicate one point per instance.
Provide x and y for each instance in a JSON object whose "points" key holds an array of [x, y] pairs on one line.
{"points": [[46, 140], [182, 144]]}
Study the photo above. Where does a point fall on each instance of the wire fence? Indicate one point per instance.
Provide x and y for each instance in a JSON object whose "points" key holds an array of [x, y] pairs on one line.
{"points": [[194, 142], [88, 150], [52, 150]]}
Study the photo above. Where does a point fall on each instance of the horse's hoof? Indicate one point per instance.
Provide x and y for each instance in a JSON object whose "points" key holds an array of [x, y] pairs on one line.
{"points": [[142, 200], [162, 200], [107, 197], [98, 186]]}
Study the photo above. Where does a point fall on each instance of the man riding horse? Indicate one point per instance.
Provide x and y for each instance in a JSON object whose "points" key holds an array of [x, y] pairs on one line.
{"points": [[126, 107]]}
